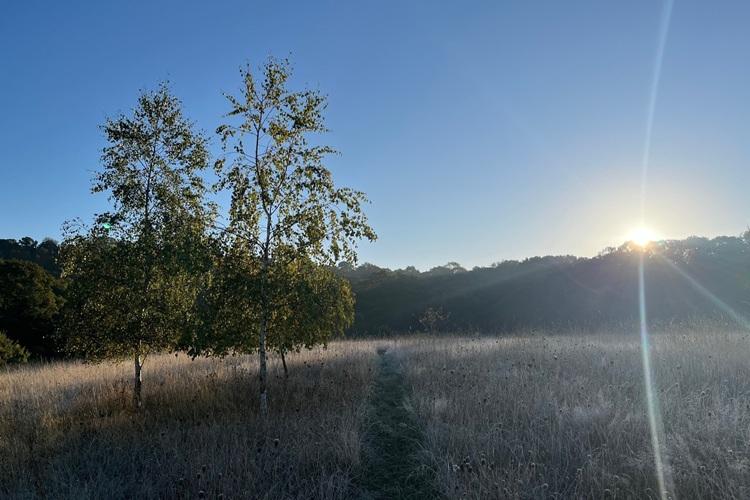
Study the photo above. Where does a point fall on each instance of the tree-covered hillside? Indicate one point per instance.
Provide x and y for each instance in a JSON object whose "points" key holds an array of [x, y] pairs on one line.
{"points": [[684, 279]]}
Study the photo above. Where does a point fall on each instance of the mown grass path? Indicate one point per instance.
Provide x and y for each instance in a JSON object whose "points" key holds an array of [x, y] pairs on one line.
{"points": [[391, 466]]}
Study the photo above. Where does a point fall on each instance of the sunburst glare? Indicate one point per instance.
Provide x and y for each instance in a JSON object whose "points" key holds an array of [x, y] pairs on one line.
{"points": [[642, 236]]}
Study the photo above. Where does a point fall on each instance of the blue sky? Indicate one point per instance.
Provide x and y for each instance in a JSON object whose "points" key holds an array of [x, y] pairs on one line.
{"points": [[481, 131]]}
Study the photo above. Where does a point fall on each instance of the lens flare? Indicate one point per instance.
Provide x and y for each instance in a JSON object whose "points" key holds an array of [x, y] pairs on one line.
{"points": [[653, 94], [656, 426], [663, 474], [723, 306]]}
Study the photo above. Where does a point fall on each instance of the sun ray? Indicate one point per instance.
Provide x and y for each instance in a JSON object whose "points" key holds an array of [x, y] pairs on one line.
{"points": [[663, 473], [655, 423], [723, 306]]}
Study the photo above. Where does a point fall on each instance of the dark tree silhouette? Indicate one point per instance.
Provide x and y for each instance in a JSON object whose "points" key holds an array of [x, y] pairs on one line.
{"points": [[30, 299]]}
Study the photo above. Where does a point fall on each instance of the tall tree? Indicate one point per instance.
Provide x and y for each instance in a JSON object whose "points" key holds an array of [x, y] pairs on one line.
{"points": [[134, 275], [284, 205]]}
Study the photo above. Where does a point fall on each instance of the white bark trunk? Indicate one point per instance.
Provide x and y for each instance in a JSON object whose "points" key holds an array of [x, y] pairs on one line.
{"points": [[137, 382], [263, 370]]}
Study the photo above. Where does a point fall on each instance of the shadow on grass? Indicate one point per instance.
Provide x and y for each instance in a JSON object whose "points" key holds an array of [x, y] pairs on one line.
{"points": [[198, 436], [391, 466]]}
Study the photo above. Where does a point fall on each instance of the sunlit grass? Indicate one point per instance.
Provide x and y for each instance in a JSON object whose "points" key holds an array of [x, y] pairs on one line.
{"points": [[565, 416], [67, 430]]}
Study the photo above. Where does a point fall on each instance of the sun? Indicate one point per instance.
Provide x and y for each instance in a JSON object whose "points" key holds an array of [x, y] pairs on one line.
{"points": [[642, 236]]}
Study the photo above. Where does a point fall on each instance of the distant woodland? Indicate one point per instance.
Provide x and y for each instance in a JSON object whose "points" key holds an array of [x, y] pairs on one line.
{"points": [[686, 280]]}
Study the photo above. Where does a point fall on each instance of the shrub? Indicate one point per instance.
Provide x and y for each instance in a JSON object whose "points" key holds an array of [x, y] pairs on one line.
{"points": [[11, 352]]}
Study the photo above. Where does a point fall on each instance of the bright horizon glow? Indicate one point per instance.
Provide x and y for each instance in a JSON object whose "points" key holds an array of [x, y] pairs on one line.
{"points": [[642, 236]]}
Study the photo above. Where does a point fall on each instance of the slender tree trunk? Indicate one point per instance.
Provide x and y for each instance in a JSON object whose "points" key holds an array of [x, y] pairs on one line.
{"points": [[265, 262], [264, 315], [283, 362], [263, 368], [147, 270], [137, 382]]}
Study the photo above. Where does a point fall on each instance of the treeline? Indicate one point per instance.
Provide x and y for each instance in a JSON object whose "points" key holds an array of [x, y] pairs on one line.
{"points": [[44, 254], [694, 278], [684, 280]]}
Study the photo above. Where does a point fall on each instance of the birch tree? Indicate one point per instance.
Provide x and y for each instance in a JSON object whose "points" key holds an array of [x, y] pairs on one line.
{"points": [[284, 203], [134, 274]]}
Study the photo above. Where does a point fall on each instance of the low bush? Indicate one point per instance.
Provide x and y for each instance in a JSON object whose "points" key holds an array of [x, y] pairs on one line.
{"points": [[11, 351]]}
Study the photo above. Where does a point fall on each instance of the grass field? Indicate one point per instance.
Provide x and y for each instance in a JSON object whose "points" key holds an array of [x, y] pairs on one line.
{"points": [[565, 417], [528, 416], [67, 430]]}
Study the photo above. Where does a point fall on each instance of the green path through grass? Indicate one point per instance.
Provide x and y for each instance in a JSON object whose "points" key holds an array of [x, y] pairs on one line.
{"points": [[391, 465]]}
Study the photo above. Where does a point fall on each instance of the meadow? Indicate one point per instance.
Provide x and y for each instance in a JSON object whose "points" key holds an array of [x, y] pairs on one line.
{"points": [[67, 430], [532, 415], [540, 416]]}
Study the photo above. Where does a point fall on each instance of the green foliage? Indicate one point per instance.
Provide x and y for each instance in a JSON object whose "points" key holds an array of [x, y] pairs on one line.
{"points": [[135, 274], [287, 219], [108, 312], [29, 302], [310, 304], [228, 307], [284, 201], [11, 351]]}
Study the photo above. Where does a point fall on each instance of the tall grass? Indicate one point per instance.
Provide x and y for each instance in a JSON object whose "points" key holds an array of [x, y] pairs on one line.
{"points": [[67, 430], [528, 416], [565, 417]]}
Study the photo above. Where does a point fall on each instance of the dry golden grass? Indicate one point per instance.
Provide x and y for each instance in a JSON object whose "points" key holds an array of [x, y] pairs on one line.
{"points": [[67, 429], [565, 417], [530, 416]]}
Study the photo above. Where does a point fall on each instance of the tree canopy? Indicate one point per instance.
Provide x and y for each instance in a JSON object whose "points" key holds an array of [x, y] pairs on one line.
{"points": [[135, 273]]}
